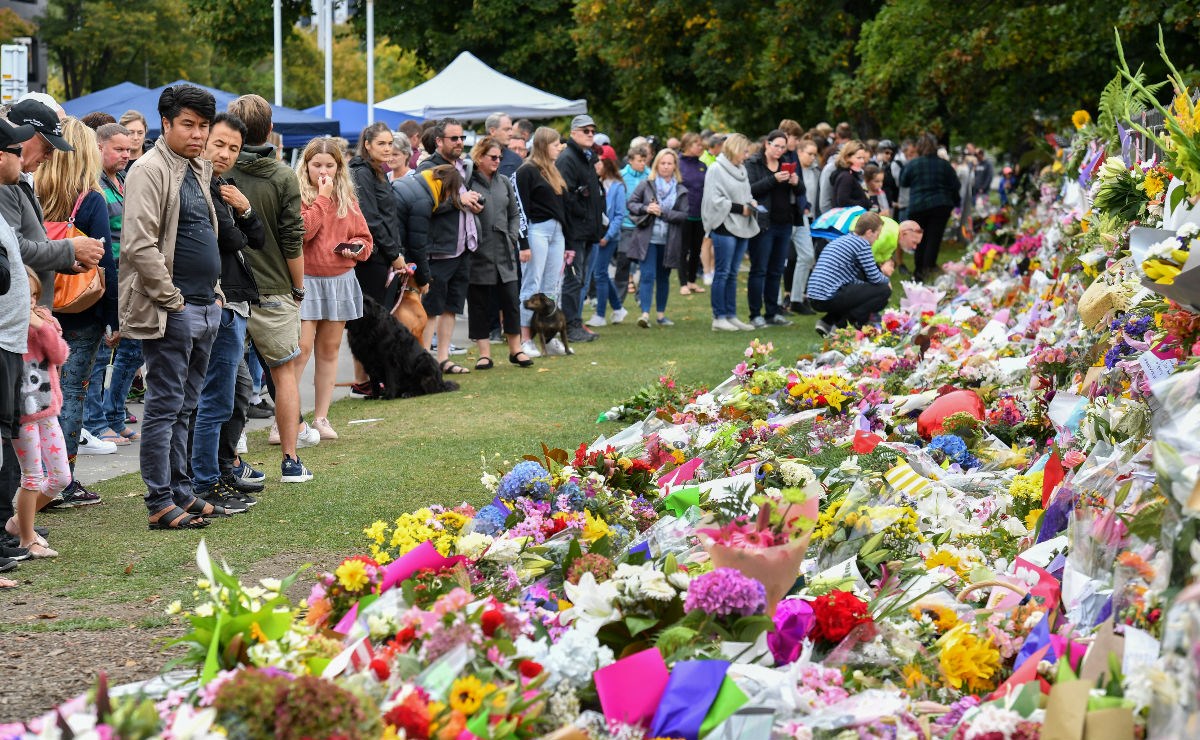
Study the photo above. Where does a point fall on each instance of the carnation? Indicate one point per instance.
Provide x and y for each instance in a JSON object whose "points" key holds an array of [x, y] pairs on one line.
{"points": [[726, 592], [836, 614]]}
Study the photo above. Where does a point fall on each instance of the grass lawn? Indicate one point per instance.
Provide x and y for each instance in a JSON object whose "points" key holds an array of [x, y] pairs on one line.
{"points": [[422, 451]]}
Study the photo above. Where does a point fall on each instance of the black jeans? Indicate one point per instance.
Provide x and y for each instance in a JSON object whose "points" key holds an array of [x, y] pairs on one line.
{"points": [[933, 221], [572, 286], [624, 265], [855, 303], [689, 261]]}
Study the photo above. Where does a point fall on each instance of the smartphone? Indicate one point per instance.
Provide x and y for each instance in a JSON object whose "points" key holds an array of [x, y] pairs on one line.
{"points": [[348, 248], [788, 167]]}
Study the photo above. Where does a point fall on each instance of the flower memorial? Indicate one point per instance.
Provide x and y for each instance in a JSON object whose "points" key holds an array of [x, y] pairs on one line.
{"points": [[977, 518]]}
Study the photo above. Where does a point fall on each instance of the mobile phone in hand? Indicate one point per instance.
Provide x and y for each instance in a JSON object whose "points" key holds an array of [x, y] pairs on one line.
{"points": [[788, 167], [348, 248]]}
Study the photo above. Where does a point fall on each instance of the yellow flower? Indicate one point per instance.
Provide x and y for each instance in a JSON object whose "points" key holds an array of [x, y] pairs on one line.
{"points": [[376, 531], [1081, 118], [256, 633], [1153, 185], [946, 558], [389, 733], [467, 694], [1031, 519], [943, 616], [913, 676], [594, 528], [1185, 114], [352, 575], [967, 660]]}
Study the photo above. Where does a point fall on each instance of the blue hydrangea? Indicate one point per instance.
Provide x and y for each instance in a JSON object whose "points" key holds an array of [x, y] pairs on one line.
{"points": [[527, 478], [489, 520], [570, 494], [618, 537], [955, 449]]}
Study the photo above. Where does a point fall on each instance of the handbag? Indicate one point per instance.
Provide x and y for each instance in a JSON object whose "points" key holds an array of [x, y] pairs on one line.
{"points": [[75, 292]]}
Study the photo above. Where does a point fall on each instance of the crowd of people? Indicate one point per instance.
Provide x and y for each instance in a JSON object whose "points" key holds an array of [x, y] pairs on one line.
{"points": [[208, 266]]}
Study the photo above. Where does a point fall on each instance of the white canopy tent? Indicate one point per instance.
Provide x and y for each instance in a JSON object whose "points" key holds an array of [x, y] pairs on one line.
{"points": [[471, 90]]}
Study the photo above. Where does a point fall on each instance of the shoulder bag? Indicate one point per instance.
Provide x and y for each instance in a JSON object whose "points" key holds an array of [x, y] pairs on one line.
{"points": [[75, 292]]}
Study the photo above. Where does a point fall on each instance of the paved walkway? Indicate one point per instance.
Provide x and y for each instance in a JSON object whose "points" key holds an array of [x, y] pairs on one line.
{"points": [[95, 468]]}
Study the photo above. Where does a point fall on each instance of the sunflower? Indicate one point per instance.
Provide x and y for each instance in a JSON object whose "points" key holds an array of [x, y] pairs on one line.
{"points": [[467, 694], [946, 558], [1081, 118]]}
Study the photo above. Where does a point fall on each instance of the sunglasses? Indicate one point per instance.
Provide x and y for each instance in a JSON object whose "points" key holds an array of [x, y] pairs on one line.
{"points": [[455, 138], [493, 157], [589, 131], [16, 150]]}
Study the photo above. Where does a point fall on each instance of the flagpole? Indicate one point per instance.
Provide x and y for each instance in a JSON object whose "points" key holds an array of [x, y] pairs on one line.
{"points": [[278, 53], [327, 30], [370, 62]]}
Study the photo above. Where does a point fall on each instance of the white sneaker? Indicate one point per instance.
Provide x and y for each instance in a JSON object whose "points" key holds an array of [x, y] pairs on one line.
{"points": [[597, 320], [241, 448], [90, 445], [708, 278], [618, 316], [555, 347], [742, 325], [273, 437], [308, 437], [723, 325], [529, 349]]}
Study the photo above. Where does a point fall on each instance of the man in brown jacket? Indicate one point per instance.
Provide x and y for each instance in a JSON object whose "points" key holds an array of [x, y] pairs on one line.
{"points": [[169, 269]]}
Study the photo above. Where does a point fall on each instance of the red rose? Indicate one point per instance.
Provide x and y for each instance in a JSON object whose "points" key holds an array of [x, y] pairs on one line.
{"points": [[529, 669], [492, 619], [380, 668], [836, 614]]}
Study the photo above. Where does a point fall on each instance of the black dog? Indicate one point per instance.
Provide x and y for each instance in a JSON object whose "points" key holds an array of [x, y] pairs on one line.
{"points": [[548, 320], [392, 357]]}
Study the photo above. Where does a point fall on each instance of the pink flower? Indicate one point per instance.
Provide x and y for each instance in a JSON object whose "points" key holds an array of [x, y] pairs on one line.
{"points": [[1073, 458]]}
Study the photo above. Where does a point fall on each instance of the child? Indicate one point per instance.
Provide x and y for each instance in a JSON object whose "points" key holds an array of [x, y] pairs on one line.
{"points": [[40, 447], [873, 181]]}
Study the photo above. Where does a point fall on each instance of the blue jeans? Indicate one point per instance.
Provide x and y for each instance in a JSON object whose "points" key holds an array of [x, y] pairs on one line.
{"points": [[76, 373], [768, 259], [105, 407], [727, 258], [255, 368], [176, 365], [543, 272], [606, 290], [216, 398], [654, 277]]}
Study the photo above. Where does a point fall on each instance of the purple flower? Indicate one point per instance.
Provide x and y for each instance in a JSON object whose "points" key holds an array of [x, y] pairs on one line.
{"points": [[726, 592], [793, 619]]}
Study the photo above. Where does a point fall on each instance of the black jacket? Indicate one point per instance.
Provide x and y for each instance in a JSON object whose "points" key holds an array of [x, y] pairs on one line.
{"points": [[584, 198], [377, 201], [234, 234], [414, 208], [443, 227], [848, 189], [763, 186]]}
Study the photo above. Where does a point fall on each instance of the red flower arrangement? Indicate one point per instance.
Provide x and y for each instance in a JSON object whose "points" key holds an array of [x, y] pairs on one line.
{"points": [[836, 614]]}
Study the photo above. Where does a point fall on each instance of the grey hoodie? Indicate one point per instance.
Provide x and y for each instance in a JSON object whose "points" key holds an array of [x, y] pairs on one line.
{"points": [[726, 186]]}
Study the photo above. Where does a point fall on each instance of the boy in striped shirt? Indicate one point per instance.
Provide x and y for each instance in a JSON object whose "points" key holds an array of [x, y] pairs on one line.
{"points": [[846, 284]]}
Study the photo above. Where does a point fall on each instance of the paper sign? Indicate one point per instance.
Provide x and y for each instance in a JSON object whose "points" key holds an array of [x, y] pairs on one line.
{"points": [[1156, 368], [631, 688], [423, 556], [1141, 649], [1095, 663]]}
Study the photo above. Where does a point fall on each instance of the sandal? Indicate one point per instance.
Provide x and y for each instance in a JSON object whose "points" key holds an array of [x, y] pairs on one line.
{"points": [[200, 507], [516, 360], [108, 435], [450, 367], [131, 435], [40, 550], [177, 518], [484, 363], [685, 290], [632, 287], [695, 288]]}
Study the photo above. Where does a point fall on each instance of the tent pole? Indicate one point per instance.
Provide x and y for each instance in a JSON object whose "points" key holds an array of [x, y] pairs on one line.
{"points": [[327, 30], [370, 62], [278, 53]]}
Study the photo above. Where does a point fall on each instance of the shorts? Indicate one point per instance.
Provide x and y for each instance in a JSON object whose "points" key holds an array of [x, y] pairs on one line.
{"points": [[448, 280], [12, 369], [275, 328]]}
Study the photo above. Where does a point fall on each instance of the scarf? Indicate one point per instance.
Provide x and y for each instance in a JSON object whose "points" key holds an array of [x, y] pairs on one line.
{"points": [[665, 191]]}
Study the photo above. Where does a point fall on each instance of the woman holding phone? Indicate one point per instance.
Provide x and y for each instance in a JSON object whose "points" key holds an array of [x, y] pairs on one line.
{"points": [[336, 238], [776, 185]]}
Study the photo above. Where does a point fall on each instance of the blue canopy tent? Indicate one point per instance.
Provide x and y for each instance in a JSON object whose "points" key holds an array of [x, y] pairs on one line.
{"points": [[353, 117], [295, 126], [107, 100]]}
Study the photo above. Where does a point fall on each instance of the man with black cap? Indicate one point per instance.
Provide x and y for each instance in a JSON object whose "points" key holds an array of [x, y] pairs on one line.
{"points": [[14, 328], [21, 209], [584, 199]]}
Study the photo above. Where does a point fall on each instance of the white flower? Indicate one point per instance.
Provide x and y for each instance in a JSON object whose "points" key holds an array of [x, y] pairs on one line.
{"points": [[174, 607], [1014, 527], [505, 550], [1188, 230], [653, 585], [796, 474], [204, 610], [473, 544], [575, 657], [490, 482], [254, 592], [1162, 249], [380, 626], [272, 585], [593, 605]]}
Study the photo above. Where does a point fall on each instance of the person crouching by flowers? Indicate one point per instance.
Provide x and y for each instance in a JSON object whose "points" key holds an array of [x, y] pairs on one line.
{"points": [[661, 200], [39, 445], [846, 284]]}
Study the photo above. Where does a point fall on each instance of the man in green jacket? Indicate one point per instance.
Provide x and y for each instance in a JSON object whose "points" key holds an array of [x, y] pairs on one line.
{"points": [[274, 193]]}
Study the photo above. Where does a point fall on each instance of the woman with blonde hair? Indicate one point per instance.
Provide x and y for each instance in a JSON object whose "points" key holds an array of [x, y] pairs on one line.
{"points": [[541, 187], [336, 239], [68, 187], [730, 215], [135, 122], [661, 204]]}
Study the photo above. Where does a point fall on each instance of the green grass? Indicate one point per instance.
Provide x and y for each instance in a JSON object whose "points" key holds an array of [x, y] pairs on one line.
{"points": [[425, 450]]}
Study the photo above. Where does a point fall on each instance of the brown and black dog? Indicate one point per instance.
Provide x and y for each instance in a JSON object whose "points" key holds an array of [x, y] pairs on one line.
{"points": [[547, 321]]}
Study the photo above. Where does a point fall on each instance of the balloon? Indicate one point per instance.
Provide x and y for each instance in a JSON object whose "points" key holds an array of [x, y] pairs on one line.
{"points": [[929, 423]]}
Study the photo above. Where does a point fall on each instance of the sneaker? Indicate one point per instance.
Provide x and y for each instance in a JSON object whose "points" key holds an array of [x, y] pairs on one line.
{"points": [[261, 410], [7, 564], [221, 494], [597, 320], [273, 437], [804, 308], [778, 321], [644, 321], [741, 325], [240, 448], [91, 445], [137, 390], [14, 553], [75, 495], [824, 328], [723, 325], [308, 437], [618, 316], [456, 350], [291, 470], [758, 322], [324, 428], [664, 321], [708, 278], [555, 347], [245, 474], [579, 335], [529, 349], [241, 487], [496, 337]]}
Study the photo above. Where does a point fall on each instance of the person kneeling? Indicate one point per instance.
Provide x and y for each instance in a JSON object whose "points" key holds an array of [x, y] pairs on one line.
{"points": [[846, 284]]}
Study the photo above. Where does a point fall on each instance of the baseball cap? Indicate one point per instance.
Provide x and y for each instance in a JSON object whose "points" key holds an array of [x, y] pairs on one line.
{"points": [[11, 135], [603, 140], [607, 152], [887, 144], [582, 120], [42, 119]]}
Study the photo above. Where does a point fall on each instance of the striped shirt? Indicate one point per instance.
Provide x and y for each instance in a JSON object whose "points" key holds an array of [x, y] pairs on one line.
{"points": [[844, 260]]}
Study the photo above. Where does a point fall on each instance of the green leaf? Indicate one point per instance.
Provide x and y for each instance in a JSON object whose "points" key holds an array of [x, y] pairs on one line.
{"points": [[1177, 197], [212, 663], [602, 546], [638, 625]]}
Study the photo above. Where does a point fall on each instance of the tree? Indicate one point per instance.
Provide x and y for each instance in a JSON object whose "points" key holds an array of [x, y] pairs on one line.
{"points": [[98, 43], [244, 30], [13, 25]]}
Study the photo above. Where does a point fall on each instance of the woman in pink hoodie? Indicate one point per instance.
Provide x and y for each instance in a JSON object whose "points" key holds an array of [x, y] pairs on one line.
{"points": [[40, 446]]}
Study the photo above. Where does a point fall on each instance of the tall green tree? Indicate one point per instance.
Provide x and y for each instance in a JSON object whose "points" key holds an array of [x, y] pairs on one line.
{"points": [[13, 25], [244, 30]]}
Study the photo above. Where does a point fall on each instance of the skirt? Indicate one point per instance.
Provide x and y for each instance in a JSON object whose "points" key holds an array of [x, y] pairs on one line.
{"points": [[337, 298]]}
